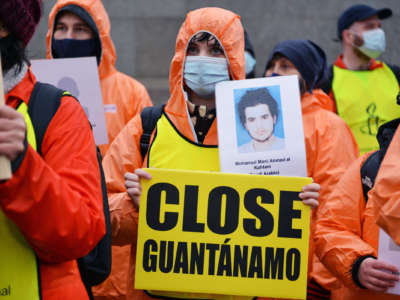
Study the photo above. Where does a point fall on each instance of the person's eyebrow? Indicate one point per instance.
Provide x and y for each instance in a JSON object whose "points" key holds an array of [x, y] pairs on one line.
{"points": [[81, 23]]}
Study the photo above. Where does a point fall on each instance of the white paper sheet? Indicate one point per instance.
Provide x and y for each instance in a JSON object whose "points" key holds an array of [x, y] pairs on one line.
{"points": [[284, 153], [80, 77], [389, 251]]}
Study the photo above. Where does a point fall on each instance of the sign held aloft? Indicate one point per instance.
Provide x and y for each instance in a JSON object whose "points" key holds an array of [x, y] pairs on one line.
{"points": [[218, 233]]}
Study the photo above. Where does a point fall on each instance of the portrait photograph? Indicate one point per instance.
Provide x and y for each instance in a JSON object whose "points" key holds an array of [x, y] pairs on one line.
{"points": [[259, 124]]}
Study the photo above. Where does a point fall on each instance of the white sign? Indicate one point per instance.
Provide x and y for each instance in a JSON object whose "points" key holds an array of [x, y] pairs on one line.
{"points": [[260, 127], [80, 77], [389, 252]]}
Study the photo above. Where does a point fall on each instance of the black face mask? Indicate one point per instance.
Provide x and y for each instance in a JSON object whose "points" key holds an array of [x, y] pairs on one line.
{"points": [[12, 53], [69, 48]]}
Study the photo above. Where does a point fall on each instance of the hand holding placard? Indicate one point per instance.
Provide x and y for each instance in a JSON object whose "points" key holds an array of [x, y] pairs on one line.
{"points": [[5, 166]]}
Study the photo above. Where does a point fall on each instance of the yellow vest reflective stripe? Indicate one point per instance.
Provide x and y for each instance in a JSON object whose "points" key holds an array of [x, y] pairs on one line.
{"points": [[19, 273], [171, 150], [366, 100]]}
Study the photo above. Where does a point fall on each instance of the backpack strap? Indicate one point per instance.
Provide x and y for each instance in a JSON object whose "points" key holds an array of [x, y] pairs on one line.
{"points": [[43, 104], [396, 71], [149, 116], [370, 167], [95, 267]]}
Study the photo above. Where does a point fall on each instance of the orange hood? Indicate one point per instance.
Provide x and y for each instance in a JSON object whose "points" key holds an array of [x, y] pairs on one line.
{"points": [[227, 28], [99, 15]]}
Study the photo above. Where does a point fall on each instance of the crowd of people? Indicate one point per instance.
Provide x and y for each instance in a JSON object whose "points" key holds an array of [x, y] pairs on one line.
{"points": [[51, 209]]}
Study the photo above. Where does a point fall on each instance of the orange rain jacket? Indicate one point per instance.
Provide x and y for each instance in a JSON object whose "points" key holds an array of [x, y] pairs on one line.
{"points": [[385, 194], [330, 149], [123, 96], [323, 132], [346, 230], [55, 199], [124, 153], [326, 162]]}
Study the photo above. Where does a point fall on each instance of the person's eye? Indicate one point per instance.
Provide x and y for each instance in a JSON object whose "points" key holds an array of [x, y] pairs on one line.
{"points": [[251, 120], [285, 66], [82, 29], [265, 117], [192, 50], [60, 28], [216, 51]]}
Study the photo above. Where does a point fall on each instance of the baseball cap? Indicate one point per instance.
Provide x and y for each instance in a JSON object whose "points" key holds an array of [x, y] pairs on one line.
{"points": [[359, 12]]}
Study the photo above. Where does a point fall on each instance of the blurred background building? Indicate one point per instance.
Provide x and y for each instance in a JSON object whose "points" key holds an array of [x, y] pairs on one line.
{"points": [[144, 31]]}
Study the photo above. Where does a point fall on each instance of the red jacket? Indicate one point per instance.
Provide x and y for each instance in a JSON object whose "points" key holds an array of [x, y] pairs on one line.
{"points": [[55, 199]]}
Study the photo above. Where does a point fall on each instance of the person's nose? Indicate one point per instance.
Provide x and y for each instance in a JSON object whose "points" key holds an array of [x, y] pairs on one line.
{"points": [[203, 52], [69, 34]]}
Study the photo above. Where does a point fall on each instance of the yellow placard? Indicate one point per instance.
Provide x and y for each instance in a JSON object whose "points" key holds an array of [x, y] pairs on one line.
{"points": [[218, 233]]}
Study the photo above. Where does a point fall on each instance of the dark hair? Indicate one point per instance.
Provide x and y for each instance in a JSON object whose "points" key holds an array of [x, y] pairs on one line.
{"points": [[12, 53], [205, 36], [254, 97]]}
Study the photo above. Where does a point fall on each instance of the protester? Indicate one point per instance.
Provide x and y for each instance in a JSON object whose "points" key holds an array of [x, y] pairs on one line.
{"points": [[347, 236], [384, 196], [51, 209], [249, 57], [362, 87], [213, 37], [79, 28], [330, 146], [82, 28]]}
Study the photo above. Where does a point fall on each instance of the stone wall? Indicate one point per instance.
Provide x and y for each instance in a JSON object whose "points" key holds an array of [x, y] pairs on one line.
{"points": [[144, 31]]}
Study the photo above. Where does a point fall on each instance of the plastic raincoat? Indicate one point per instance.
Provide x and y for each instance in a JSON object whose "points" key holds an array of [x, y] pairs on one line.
{"points": [[124, 153], [123, 96], [385, 194], [55, 199], [326, 162], [346, 230]]}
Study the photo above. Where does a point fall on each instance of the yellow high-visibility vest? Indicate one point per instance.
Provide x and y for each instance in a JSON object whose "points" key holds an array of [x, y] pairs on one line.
{"points": [[171, 150], [366, 100], [19, 272]]}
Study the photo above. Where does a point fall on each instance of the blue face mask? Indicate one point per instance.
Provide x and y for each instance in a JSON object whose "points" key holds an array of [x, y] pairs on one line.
{"points": [[69, 48], [202, 73], [249, 61], [374, 43]]}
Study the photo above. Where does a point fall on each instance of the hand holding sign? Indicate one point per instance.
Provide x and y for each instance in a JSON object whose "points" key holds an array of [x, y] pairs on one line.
{"points": [[377, 275], [310, 194], [12, 132], [5, 167], [133, 186]]}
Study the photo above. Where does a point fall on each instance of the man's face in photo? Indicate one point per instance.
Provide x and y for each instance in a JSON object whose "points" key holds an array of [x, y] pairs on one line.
{"points": [[259, 122]]}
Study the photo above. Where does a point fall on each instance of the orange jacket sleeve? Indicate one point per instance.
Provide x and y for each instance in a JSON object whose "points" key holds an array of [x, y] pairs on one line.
{"points": [[385, 195], [55, 199], [334, 150], [123, 156], [338, 236]]}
